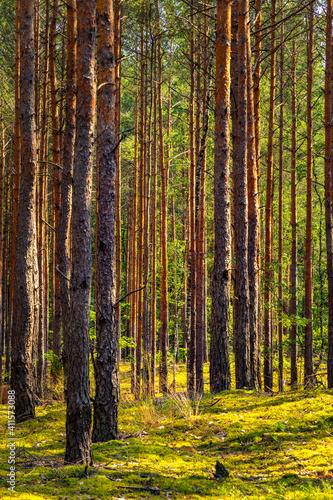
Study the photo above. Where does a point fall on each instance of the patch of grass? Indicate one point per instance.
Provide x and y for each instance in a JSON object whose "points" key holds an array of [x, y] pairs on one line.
{"points": [[274, 447]]}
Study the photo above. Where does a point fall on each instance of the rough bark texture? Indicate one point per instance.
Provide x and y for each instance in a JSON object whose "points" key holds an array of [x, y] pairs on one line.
{"points": [[106, 363], [241, 286], [67, 178], [25, 319], [78, 422], [16, 174], [219, 348], [328, 189], [56, 303], [308, 286], [268, 330]]}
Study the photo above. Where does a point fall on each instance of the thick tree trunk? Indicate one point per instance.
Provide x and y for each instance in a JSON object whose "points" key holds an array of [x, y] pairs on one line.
{"points": [[25, 319], [219, 348], [16, 174], [241, 287], [78, 421], [106, 363]]}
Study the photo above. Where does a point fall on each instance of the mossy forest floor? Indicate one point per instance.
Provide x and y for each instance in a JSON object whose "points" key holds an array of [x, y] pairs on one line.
{"points": [[274, 447]]}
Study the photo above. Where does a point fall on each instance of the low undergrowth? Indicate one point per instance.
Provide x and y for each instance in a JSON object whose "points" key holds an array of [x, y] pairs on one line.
{"points": [[274, 447]]}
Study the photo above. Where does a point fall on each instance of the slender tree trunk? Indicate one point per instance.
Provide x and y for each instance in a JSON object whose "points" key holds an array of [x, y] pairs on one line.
{"points": [[254, 229], [154, 237], [219, 348], [146, 250], [164, 307], [2, 263], [308, 332], [193, 276], [56, 305], [268, 328], [64, 233], [78, 418], [293, 222], [42, 210], [280, 250], [134, 281], [106, 364], [25, 319], [118, 28], [141, 210], [329, 189], [256, 103]]}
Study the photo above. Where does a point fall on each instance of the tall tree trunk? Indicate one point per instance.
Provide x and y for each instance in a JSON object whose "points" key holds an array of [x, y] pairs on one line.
{"points": [[219, 348], [2, 263], [268, 329], [254, 229], [256, 103], [280, 249], [43, 331], [293, 223], [241, 287], [56, 305], [134, 281], [329, 189], [308, 332], [25, 319], [146, 249], [164, 307], [17, 169], [106, 363], [78, 418], [141, 204], [192, 344], [154, 237], [64, 233], [118, 28]]}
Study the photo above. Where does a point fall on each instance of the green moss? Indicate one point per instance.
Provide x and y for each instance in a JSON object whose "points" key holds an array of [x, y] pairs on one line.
{"points": [[276, 447]]}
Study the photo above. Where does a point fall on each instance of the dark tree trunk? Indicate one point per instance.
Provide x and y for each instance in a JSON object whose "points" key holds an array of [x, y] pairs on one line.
{"points": [[78, 421], [67, 178], [241, 287], [219, 348], [328, 189], [25, 319], [106, 363]]}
